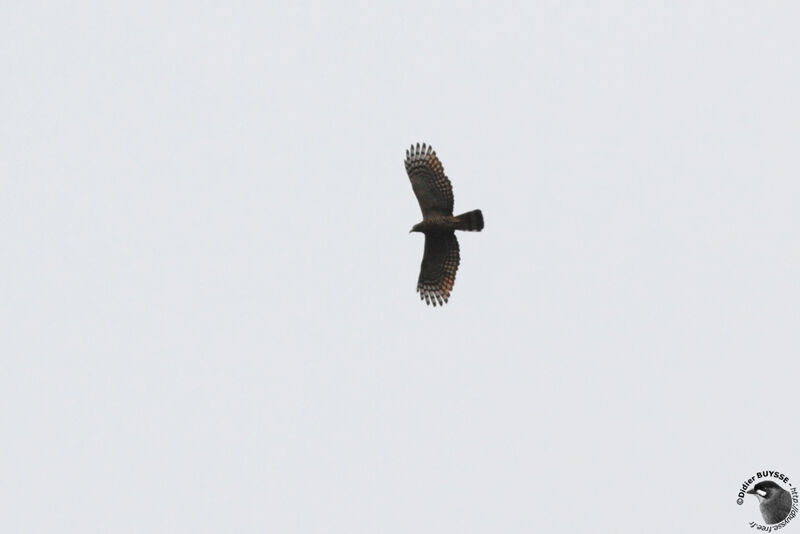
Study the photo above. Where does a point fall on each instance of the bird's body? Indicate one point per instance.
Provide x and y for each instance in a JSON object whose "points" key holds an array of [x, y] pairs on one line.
{"points": [[442, 223], [775, 502], [435, 196]]}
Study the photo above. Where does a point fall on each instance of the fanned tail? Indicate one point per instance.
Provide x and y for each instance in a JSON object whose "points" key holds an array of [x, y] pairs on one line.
{"points": [[471, 221]]}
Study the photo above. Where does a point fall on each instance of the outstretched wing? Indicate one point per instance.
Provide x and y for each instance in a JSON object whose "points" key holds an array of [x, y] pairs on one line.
{"points": [[433, 189], [439, 265]]}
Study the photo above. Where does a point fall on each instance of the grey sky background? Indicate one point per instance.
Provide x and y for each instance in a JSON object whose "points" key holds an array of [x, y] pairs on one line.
{"points": [[208, 313]]}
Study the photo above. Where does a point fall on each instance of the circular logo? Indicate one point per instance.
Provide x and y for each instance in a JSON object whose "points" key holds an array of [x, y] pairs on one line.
{"points": [[776, 498]]}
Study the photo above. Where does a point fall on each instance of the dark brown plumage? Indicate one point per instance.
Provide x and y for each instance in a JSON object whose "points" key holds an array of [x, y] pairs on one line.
{"points": [[435, 196]]}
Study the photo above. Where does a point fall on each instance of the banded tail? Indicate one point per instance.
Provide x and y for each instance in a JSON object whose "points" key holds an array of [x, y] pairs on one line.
{"points": [[471, 221]]}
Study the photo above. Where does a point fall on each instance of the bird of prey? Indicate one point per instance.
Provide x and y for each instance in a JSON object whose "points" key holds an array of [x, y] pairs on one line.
{"points": [[776, 502], [435, 196]]}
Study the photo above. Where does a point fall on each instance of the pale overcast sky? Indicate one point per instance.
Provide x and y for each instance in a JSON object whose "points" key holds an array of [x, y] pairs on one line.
{"points": [[208, 317]]}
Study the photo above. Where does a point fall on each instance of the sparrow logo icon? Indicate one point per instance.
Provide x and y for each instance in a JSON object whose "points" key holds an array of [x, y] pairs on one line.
{"points": [[777, 499]]}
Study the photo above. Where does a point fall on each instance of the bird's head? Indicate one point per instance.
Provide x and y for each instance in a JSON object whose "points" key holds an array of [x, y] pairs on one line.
{"points": [[766, 490]]}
